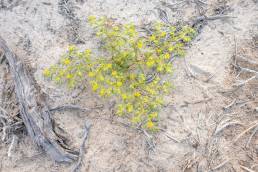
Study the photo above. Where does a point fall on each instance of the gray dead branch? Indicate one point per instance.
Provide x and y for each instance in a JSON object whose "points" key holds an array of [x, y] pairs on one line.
{"points": [[215, 17], [75, 107], [34, 110], [82, 148]]}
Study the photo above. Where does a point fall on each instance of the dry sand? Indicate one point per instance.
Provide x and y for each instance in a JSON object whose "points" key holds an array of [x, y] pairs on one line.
{"points": [[39, 31]]}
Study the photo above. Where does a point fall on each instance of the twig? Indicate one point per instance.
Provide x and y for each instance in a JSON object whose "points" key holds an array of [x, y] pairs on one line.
{"points": [[235, 53], [245, 131], [220, 165], [215, 17], [12, 145], [196, 101], [169, 136], [189, 70], [151, 78], [209, 78], [148, 138], [203, 18], [254, 166], [248, 60], [232, 90], [251, 136], [204, 3], [249, 70], [2, 58], [82, 147], [172, 6], [4, 112], [226, 124], [245, 69], [246, 81], [246, 169], [5, 132], [230, 105], [73, 107], [163, 15]]}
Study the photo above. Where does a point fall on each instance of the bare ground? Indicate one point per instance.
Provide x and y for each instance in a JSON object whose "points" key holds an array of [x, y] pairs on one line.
{"points": [[209, 118]]}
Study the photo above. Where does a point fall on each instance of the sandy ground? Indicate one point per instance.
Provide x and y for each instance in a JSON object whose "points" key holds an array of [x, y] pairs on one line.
{"points": [[200, 129]]}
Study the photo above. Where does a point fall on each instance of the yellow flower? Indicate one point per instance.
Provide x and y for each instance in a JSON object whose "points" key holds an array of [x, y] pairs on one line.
{"points": [[102, 92], [79, 73], [152, 37], [159, 101], [91, 19], [87, 52], [108, 92], [150, 62], [114, 73], [132, 76], [109, 65], [117, 91], [163, 34], [61, 73], [129, 107], [100, 77], [160, 68], [168, 69], [137, 94], [67, 61], [158, 50], [166, 56], [142, 77], [151, 91], [150, 124], [91, 74], [124, 96], [46, 72], [145, 100], [71, 48], [170, 49], [116, 28], [120, 109], [186, 39], [57, 79], [140, 44], [99, 33], [69, 76], [119, 83], [94, 86], [136, 119], [153, 115]]}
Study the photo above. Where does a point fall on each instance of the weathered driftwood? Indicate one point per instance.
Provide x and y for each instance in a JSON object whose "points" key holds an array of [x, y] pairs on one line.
{"points": [[34, 110]]}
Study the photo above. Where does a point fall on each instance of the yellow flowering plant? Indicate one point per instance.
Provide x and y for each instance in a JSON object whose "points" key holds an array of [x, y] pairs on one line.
{"points": [[134, 68]]}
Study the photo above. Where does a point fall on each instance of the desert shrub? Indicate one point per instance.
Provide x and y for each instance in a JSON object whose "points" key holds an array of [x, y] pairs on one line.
{"points": [[133, 69]]}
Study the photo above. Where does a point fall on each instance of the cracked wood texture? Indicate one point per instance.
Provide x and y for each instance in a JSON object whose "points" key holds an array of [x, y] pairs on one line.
{"points": [[34, 110]]}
